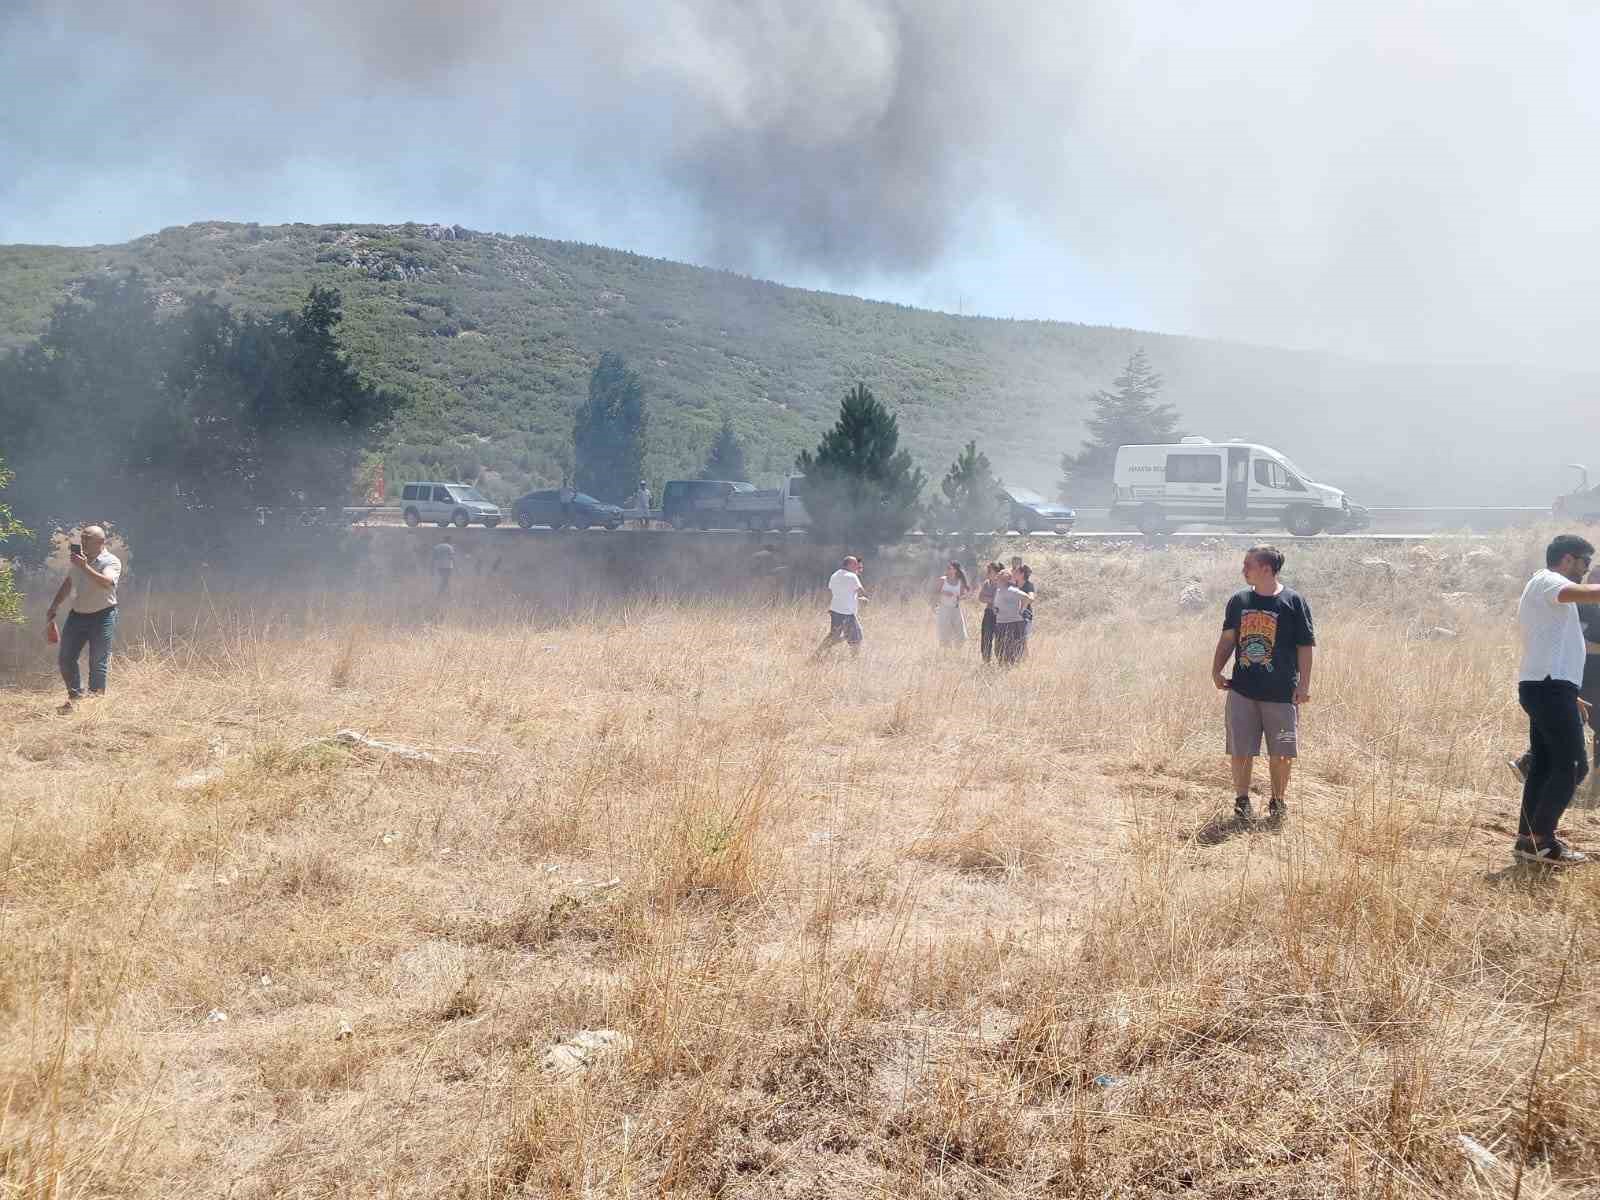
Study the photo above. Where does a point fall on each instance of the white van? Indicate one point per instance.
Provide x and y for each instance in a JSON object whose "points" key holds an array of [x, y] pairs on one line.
{"points": [[1236, 484], [443, 503]]}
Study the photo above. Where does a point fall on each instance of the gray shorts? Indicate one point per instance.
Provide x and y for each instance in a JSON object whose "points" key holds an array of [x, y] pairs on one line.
{"points": [[1247, 721]]}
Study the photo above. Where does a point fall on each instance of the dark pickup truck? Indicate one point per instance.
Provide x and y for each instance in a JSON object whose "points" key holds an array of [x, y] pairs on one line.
{"points": [[699, 503]]}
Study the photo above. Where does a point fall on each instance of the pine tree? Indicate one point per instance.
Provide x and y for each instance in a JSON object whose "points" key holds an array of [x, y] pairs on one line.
{"points": [[10, 527], [1129, 416], [608, 432], [860, 487], [726, 457], [971, 491], [199, 417]]}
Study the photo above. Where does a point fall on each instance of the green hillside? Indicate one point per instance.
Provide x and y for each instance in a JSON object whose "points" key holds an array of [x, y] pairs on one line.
{"points": [[491, 338]]}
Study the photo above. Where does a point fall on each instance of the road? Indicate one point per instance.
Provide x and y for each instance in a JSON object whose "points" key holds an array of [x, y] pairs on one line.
{"points": [[1389, 526], [1090, 537]]}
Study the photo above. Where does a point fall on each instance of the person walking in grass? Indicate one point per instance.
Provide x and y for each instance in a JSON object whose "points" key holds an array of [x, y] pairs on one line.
{"points": [[1009, 601], [1549, 682], [1268, 632], [641, 501], [1589, 621], [444, 565], [845, 595], [92, 620], [949, 590], [986, 631]]}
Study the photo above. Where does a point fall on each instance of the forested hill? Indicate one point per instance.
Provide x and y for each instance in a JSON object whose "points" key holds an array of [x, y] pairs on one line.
{"points": [[491, 339]]}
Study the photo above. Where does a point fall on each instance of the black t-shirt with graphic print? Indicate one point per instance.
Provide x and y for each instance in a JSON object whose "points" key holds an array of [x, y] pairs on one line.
{"points": [[1271, 630]]}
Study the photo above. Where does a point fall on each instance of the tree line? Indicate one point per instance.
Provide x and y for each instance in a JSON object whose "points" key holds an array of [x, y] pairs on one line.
{"points": [[184, 420], [180, 425], [860, 486]]}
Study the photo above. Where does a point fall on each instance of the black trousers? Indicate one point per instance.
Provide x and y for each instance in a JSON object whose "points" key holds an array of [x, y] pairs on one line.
{"points": [[986, 634], [1008, 645], [1559, 760]]}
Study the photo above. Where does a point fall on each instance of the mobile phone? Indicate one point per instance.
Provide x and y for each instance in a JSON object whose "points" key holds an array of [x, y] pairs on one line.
{"points": [[75, 548]]}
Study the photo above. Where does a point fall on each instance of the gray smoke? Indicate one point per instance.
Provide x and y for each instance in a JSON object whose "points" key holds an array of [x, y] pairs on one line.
{"points": [[1399, 181]]}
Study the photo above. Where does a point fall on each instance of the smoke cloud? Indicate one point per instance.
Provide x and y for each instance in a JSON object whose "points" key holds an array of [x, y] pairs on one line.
{"points": [[1401, 181]]}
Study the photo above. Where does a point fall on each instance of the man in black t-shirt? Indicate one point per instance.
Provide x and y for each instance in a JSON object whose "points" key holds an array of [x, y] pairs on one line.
{"points": [[1267, 631]]}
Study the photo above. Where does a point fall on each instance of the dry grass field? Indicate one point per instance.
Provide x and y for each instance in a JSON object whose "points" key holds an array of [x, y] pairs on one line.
{"points": [[895, 927]]}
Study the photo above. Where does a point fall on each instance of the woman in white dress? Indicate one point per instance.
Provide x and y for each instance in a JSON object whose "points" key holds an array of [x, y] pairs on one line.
{"points": [[949, 591]]}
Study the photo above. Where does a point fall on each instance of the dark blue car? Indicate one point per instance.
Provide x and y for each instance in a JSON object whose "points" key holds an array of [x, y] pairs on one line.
{"points": [[1032, 513], [559, 509]]}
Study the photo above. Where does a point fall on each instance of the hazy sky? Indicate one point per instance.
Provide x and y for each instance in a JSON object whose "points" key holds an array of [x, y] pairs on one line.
{"points": [[1401, 180]]}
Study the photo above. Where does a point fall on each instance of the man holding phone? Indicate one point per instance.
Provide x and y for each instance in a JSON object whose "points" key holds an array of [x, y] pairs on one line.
{"points": [[92, 582]]}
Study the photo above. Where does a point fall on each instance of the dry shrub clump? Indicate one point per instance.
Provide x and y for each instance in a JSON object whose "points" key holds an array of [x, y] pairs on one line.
{"points": [[891, 926]]}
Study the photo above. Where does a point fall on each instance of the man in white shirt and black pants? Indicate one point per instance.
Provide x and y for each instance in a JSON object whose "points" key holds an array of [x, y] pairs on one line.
{"points": [[92, 620], [845, 594], [1547, 686]]}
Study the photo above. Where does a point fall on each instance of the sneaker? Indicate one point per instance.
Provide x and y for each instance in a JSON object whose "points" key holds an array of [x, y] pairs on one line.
{"points": [[1559, 851], [1241, 808], [1277, 809], [1554, 853], [1519, 766]]}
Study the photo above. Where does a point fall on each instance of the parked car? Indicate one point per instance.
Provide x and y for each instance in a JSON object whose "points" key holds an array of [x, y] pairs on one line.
{"points": [[447, 503], [1582, 504], [1029, 512], [1356, 517], [699, 502], [559, 509]]}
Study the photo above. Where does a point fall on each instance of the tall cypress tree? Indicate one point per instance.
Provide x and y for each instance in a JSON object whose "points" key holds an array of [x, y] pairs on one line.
{"points": [[860, 487], [608, 432], [1130, 416]]}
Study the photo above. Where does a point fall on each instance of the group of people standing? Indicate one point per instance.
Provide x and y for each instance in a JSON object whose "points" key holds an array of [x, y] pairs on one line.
{"points": [[1267, 632], [1006, 594], [1269, 637]]}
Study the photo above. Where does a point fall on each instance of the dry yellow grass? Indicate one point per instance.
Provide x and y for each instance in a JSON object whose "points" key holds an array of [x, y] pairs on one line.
{"points": [[880, 925]]}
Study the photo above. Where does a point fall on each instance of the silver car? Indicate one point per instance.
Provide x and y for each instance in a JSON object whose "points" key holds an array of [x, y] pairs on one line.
{"points": [[458, 504]]}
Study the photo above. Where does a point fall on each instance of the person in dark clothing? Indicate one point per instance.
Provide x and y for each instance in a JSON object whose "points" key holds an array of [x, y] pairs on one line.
{"points": [[444, 565], [991, 582], [1549, 682], [1268, 632], [1023, 579]]}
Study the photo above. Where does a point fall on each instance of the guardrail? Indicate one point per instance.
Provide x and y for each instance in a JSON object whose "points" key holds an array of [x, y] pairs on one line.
{"points": [[1386, 519]]}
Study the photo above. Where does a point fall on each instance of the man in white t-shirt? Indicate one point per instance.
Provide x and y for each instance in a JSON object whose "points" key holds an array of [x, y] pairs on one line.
{"points": [[845, 594], [1548, 683], [92, 621]]}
